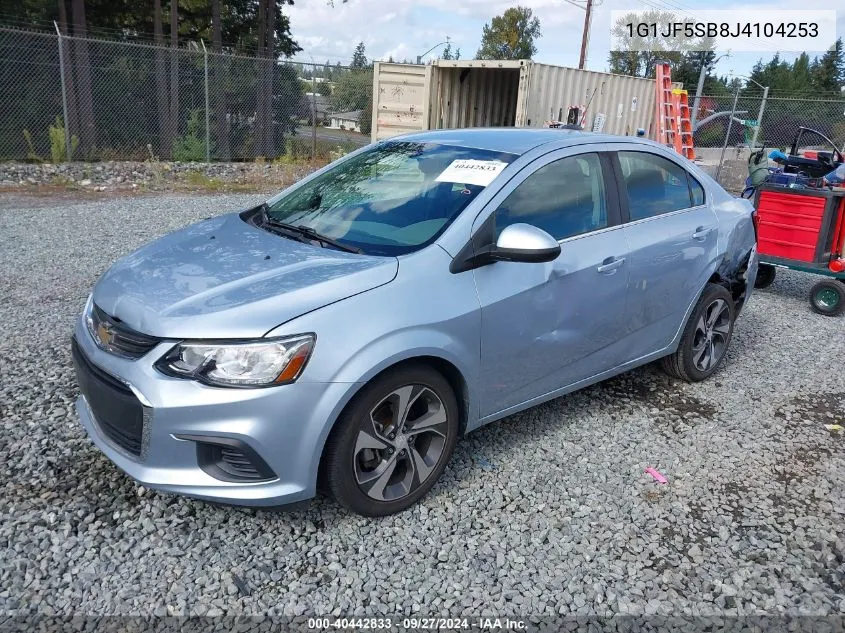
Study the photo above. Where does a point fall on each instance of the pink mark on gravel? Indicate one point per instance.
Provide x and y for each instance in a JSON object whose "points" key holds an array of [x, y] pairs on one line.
{"points": [[659, 478]]}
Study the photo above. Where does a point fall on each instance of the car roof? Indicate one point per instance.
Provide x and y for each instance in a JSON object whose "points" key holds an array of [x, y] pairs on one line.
{"points": [[516, 140]]}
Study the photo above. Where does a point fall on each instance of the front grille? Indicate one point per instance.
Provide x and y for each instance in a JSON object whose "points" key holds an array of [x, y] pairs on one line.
{"points": [[114, 336], [118, 412]]}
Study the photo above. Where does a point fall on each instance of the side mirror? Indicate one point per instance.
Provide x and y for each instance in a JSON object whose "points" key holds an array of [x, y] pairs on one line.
{"points": [[517, 243], [525, 243]]}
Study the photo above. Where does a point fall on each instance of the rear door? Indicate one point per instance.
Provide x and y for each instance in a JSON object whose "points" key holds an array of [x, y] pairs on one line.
{"points": [[547, 325], [672, 235]]}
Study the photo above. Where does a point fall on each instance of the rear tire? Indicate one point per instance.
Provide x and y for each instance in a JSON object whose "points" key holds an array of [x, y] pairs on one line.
{"points": [[827, 297], [706, 338], [765, 276], [392, 442]]}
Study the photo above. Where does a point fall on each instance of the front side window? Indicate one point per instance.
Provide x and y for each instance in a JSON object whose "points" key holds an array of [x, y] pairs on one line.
{"points": [[655, 185], [697, 191], [564, 198], [393, 198]]}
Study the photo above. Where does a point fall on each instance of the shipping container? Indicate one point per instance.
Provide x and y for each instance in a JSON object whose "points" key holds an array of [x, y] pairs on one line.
{"points": [[487, 93]]}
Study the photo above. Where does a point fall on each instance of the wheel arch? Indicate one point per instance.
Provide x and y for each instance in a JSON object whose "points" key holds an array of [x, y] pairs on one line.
{"points": [[732, 273], [445, 367], [724, 272]]}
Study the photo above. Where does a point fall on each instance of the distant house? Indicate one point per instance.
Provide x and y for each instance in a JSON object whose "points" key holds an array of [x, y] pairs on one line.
{"points": [[346, 121], [320, 105]]}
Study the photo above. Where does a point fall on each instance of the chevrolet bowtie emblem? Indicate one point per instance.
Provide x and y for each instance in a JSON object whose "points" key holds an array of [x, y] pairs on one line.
{"points": [[105, 334]]}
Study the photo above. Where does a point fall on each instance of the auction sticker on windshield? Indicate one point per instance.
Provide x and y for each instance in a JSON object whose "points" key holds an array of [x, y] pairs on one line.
{"points": [[472, 172]]}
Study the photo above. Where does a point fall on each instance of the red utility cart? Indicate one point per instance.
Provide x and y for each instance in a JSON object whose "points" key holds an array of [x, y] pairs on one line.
{"points": [[803, 229]]}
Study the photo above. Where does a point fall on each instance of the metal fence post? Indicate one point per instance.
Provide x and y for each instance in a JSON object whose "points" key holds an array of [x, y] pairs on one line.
{"points": [[760, 120], [727, 134], [314, 112], [64, 91], [207, 117]]}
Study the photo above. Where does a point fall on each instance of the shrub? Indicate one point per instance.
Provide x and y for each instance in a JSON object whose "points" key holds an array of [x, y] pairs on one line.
{"points": [[58, 142], [191, 147]]}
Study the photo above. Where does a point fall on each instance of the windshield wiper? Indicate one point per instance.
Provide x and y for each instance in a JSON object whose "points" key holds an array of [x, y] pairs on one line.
{"points": [[306, 234]]}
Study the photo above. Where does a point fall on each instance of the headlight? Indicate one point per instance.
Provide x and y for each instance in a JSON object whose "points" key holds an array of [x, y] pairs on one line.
{"points": [[88, 315], [260, 363]]}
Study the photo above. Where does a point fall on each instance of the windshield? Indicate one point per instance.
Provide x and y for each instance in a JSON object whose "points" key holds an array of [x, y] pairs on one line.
{"points": [[393, 198]]}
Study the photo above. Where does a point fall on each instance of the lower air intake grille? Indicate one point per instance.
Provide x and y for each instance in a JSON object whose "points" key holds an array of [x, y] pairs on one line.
{"points": [[237, 464], [229, 460]]}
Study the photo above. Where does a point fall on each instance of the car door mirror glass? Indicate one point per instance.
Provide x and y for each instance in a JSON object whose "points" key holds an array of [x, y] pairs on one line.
{"points": [[522, 242]]}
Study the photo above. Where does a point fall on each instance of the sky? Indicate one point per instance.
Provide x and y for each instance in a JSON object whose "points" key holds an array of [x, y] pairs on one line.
{"points": [[407, 28]]}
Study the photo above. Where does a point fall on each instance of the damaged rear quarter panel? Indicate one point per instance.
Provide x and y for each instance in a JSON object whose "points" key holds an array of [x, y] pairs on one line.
{"points": [[737, 238]]}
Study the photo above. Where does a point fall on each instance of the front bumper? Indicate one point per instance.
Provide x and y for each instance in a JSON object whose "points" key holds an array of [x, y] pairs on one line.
{"points": [[285, 427]]}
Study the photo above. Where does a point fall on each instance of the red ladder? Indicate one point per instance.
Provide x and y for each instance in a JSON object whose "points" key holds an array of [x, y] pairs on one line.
{"points": [[672, 114], [664, 116], [683, 135]]}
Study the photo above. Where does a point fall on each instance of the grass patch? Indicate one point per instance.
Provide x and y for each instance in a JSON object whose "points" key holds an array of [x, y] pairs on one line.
{"points": [[200, 180]]}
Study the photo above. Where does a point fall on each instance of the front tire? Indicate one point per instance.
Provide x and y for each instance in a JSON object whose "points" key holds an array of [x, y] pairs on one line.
{"points": [[706, 338], [393, 441], [827, 297]]}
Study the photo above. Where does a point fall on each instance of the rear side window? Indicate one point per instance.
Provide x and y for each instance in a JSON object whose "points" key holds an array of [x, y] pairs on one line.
{"points": [[697, 191], [564, 198], [655, 185]]}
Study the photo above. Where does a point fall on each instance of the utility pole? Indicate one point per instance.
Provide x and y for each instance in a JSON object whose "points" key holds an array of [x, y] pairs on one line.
{"points": [[701, 76], [760, 119], [704, 67], [728, 133], [585, 37]]}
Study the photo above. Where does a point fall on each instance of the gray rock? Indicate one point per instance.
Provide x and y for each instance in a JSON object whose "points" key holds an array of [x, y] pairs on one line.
{"points": [[566, 523]]}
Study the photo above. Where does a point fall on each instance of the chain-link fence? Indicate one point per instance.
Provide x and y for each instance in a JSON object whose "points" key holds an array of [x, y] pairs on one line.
{"points": [[728, 126], [107, 100], [127, 101]]}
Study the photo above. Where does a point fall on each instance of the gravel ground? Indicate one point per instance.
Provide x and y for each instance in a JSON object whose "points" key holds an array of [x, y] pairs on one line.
{"points": [[546, 512]]}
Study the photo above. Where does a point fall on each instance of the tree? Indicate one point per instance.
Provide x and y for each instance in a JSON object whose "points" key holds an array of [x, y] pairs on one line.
{"points": [[87, 131], [123, 95], [359, 57], [353, 90], [266, 80], [165, 136], [174, 67], [828, 73], [448, 53], [637, 56], [221, 124], [510, 35]]}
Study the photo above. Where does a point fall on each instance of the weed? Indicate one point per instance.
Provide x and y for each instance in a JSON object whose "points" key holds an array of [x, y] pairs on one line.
{"points": [[31, 156], [58, 142], [191, 147], [200, 180]]}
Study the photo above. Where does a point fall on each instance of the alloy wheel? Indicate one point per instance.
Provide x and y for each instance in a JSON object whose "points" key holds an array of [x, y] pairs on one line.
{"points": [[400, 443], [712, 332]]}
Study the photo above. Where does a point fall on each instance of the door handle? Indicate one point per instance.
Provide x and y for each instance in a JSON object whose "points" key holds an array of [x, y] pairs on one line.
{"points": [[609, 265], [701, 233]]}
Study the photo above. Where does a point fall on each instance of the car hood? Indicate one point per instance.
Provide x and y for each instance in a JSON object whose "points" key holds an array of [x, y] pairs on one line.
{"points": [[224, 278]]}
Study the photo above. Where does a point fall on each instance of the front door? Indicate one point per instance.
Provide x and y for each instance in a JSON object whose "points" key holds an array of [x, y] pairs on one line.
{"points": [[545, 326]]}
